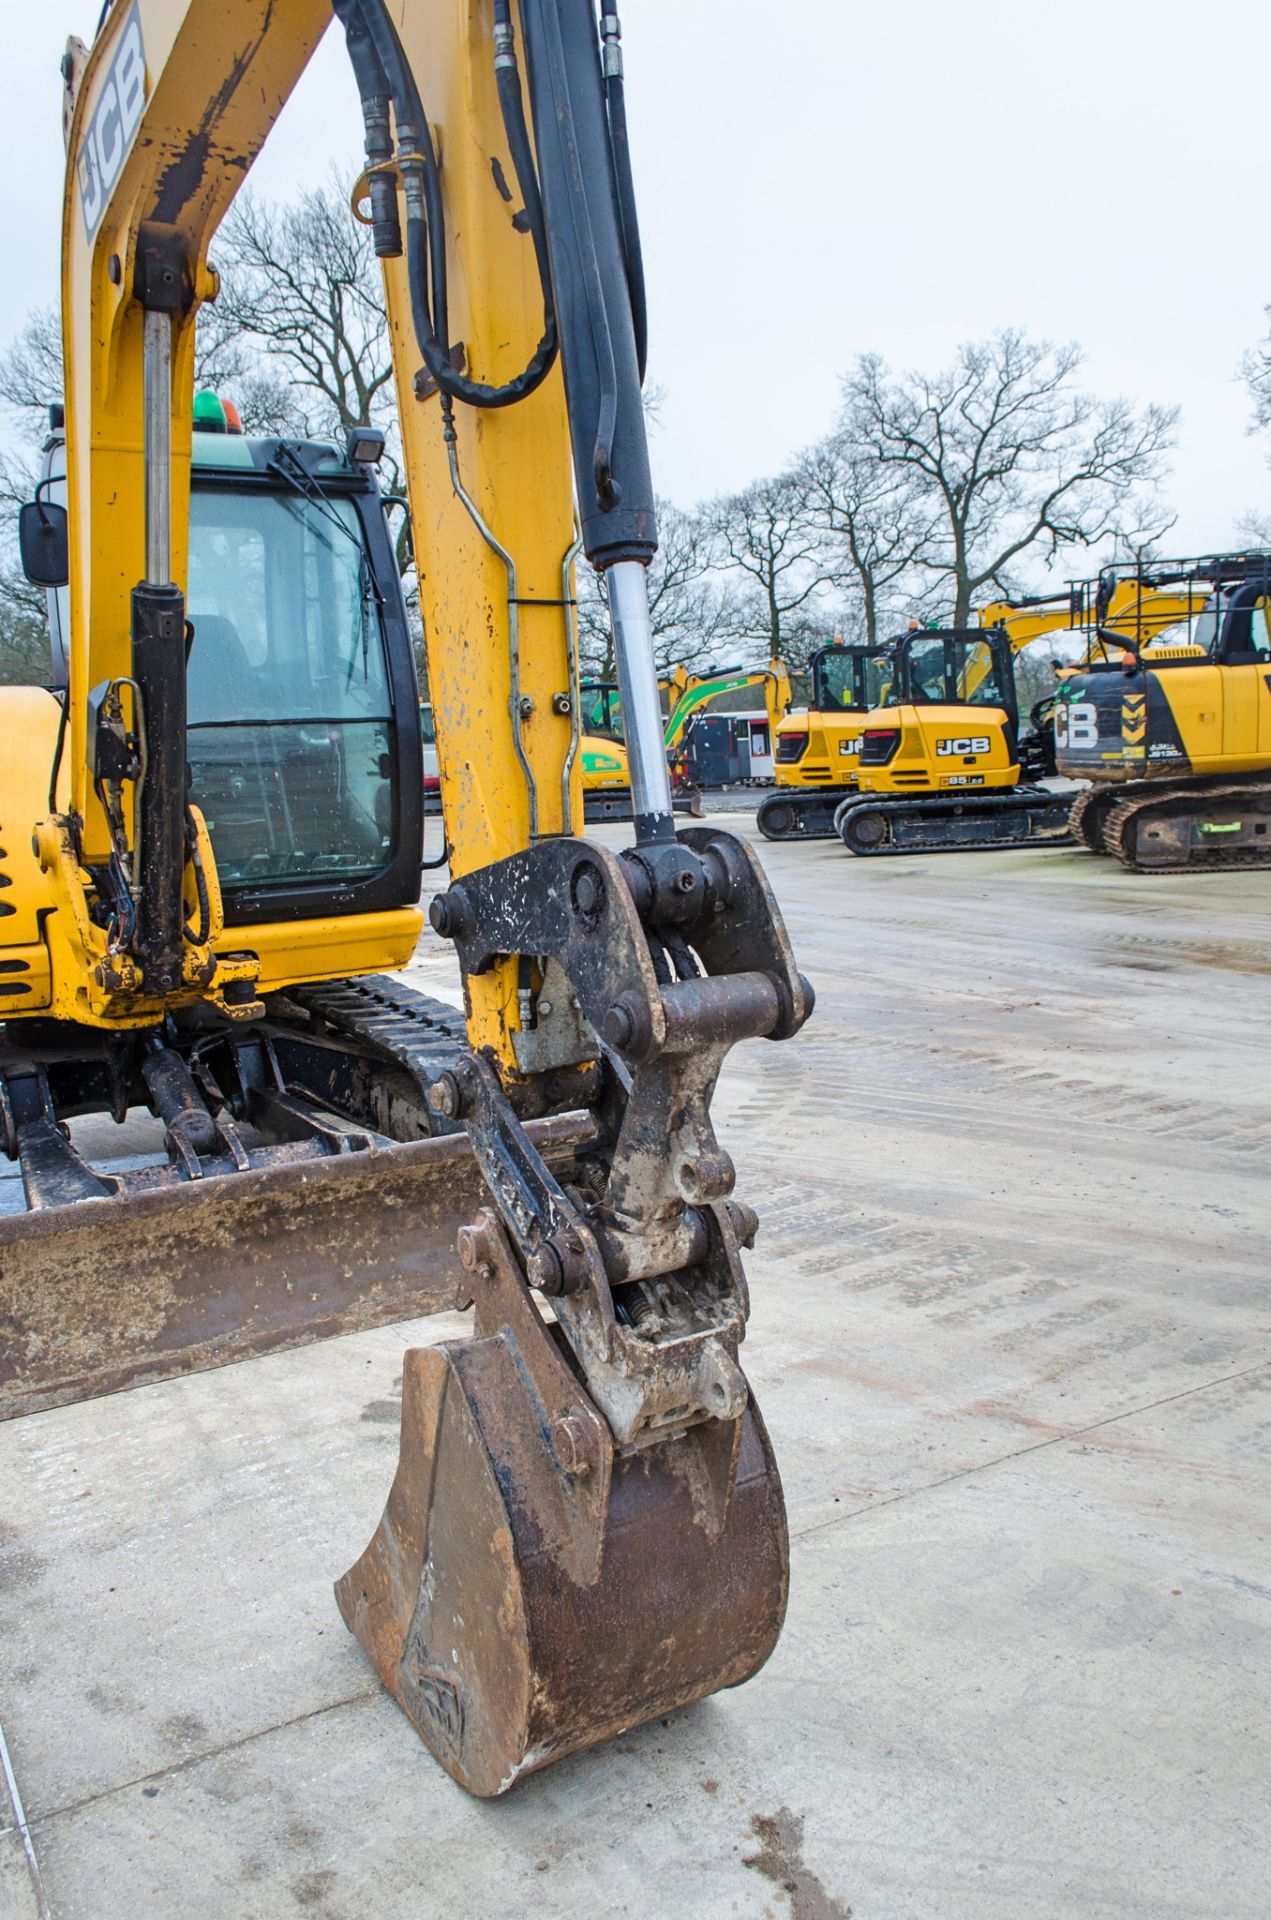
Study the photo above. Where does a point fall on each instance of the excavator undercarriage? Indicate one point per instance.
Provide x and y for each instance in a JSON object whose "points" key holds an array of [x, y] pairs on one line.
{"points": [[1176, 740], [1164, 826], [875, 824]]}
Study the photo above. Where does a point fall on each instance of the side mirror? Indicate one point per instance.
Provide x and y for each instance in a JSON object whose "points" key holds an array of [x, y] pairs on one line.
{"points": [[43, 543]]}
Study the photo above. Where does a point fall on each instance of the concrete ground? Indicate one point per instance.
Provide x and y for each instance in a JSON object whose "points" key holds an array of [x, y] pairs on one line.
{"points": [[1012, 1336]]}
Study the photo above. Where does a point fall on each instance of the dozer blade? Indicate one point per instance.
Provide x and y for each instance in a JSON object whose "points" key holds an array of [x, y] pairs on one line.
{"points": [[109, 1293], [530, 1590]]}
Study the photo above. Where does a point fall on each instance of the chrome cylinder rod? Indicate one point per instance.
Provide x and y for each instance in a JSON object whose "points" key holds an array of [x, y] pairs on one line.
{"points": [[642, 728], [157, 371]]}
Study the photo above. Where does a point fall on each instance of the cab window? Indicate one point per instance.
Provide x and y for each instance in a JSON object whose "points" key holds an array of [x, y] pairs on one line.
{"points": [[290, 718]]}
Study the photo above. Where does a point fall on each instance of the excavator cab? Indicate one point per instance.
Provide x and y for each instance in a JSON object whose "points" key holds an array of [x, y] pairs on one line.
{"points": [[851, 679], [955, 711], [970, 667], [606, 775], [298, 664], [602, 710]]}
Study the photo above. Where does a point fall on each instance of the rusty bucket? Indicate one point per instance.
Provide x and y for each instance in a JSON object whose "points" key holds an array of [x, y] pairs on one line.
{"points": [[530, 1591]]}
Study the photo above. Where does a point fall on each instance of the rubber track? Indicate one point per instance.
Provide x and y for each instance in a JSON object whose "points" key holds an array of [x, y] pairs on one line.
{"points": [[815, 800], [1161, 798], [938, 807], [422, 1035], [1090, 831]]}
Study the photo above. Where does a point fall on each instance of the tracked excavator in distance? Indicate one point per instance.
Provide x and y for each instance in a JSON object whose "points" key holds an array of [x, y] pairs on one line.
{"points": [[1175, 738], [211, 837], [817, 748], [606, 776], [842, 750]]}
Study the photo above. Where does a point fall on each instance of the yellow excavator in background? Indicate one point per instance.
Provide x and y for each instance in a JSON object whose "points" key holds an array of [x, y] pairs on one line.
{"points": [[816, 747], [951, 766], [1175, 737], [693, 694], [606, 775], [211, 826], [606, 778], [944, 725]]}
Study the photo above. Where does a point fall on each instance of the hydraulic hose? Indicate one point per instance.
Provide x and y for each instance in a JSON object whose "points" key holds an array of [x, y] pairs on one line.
{"points": [[624, 182], [380, 67]]}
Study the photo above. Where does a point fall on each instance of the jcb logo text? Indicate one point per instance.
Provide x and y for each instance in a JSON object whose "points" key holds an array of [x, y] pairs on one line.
{"points": [[113, 124], [973, 743]]}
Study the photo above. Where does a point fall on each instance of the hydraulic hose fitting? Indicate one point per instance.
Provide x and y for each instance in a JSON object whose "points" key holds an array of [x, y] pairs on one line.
{"points": [[611, 43], [504, 48], [381, 181]]}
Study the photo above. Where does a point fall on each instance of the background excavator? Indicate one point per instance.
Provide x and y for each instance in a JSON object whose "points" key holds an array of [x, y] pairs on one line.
{"points": [[692, 696], [1175, 737], [606, 776], [211, 825], [943, 747], [953, 769], [817, 746]]}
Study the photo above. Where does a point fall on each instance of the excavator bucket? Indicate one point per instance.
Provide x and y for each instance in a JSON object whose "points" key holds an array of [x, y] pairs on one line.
{"points": [[531, 1590]]}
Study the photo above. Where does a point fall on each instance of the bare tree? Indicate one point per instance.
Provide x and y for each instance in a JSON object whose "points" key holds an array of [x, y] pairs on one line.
{"points": [[1254, 529], [764, 533], [692, 611], [30, 380], [31, 369], [300, 284], [1016, 457], [31, 376], [298, 339], [1255, 370], [875, 522], [24, 640]]}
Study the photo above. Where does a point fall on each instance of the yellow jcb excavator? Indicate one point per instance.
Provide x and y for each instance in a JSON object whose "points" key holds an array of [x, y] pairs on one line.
{"points": [[816, 748], [943, 726], [1175, 735], [211, 834]]}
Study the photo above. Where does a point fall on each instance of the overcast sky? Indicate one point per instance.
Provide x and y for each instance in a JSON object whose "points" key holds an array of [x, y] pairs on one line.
{"points": [[816, 179]]}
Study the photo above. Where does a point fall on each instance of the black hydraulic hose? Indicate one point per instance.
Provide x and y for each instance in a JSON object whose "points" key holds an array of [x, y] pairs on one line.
{"points": [[373, 88], [197, 935], [417, 156], [512, 106], [421, 181], [624, 181], [60, 748]]}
